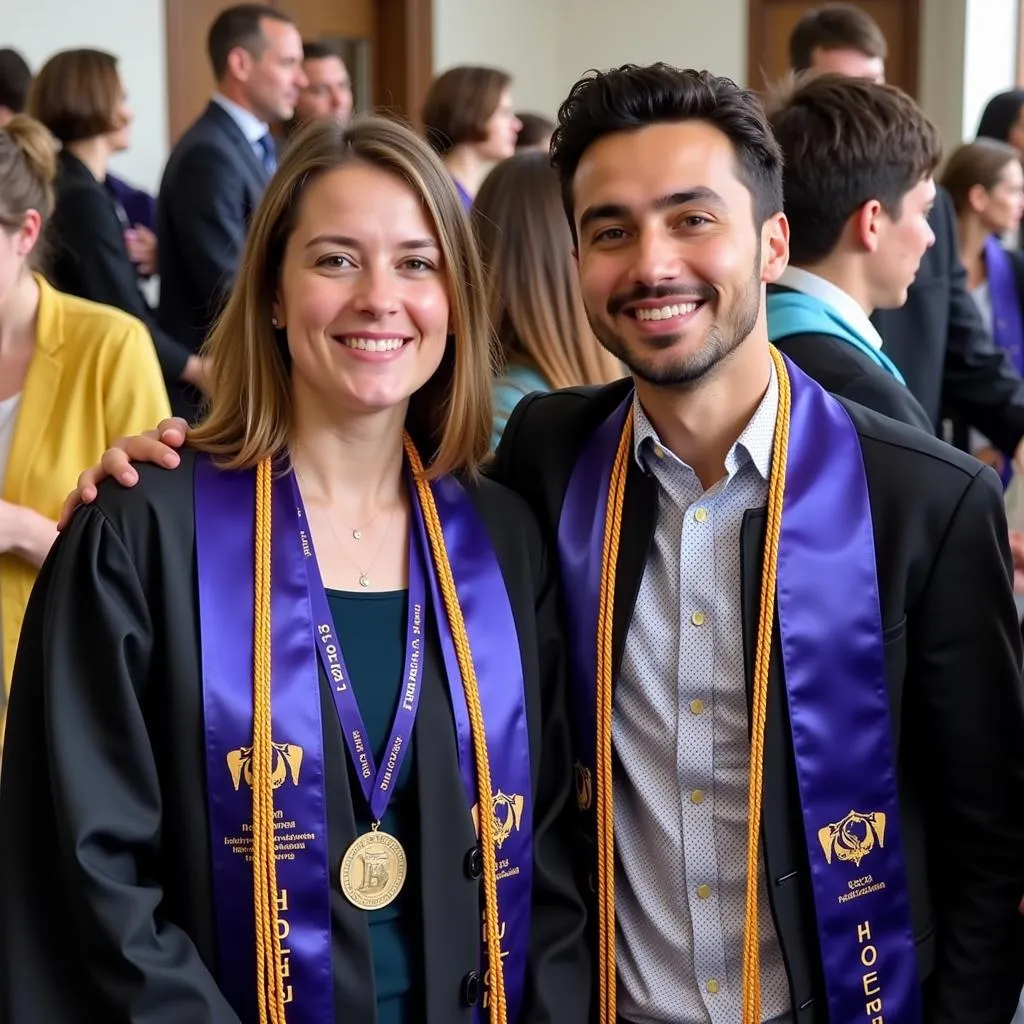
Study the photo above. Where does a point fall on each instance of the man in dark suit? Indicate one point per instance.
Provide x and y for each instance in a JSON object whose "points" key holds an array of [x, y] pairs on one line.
{"points": [[859, 159], [729, 638], [936, 337], [217, 172]]}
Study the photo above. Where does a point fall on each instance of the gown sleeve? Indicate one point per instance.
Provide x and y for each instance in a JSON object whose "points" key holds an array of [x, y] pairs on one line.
{"points": [[82, 937]]}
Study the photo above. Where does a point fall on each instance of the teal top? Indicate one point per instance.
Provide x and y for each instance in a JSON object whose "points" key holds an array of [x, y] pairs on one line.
{"points": [[515, 383], [371, 629]]}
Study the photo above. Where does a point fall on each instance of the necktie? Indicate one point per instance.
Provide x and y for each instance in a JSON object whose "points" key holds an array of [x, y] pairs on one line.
{"points": [[268, 153]]}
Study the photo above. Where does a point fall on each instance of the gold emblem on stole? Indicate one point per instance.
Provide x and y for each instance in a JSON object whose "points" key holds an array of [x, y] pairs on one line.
{"points": [[508, 816], [286, 760], [853, 838], [584, 786]]}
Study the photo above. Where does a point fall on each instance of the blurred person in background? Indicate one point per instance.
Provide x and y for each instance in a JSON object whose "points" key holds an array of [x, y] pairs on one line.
{"points": [[218, 170], [469, 119], [79, 96], [535, 132], [986, 183], [533, 291], [74, 376], [15, 80]]}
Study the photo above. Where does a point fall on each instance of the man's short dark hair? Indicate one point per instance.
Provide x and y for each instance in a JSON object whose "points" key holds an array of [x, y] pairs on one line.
{"points": [[847, 141], [15, 79], [239, 26], [835, 27], [320, 50], [632, 97]]}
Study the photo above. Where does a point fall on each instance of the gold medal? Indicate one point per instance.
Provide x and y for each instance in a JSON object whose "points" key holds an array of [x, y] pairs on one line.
{"points": [[373, 870]]}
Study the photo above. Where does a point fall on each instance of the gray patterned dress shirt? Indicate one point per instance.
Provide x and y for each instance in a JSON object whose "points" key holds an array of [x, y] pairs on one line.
{"points": [[682, 752]]}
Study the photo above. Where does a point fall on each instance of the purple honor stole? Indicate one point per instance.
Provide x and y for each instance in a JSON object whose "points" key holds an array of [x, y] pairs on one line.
{"points": [[225, 534], [830, 635]]}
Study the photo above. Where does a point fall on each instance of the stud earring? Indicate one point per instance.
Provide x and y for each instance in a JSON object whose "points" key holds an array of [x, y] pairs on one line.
{"points": [[273, 321]]}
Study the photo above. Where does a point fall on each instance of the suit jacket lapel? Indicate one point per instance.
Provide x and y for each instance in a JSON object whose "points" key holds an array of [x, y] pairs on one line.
{"points": [[38, 405], [229, 127], [639, 517]]}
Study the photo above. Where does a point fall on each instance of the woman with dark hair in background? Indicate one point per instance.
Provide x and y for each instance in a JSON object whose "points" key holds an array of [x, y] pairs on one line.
{"points": [[1002, 120], [79, 96], [469, 119], [986, 182], [535, 132], [533, 291]]}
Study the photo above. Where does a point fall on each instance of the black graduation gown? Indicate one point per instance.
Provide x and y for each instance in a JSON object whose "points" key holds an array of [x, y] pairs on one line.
{"points": [[105, 887]]}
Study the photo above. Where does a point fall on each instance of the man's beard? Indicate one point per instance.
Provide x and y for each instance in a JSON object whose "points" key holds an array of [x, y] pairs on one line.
{"points": [[721, 340]]}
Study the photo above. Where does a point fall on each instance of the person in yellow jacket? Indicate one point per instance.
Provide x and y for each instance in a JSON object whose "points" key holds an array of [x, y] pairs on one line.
{"points": [[74, 376]]}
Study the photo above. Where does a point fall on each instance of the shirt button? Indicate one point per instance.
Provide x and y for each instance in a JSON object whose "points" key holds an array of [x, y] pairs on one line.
{"points": [[659, 452], [713, 986], [697, 618], [697, 796], [701, 515], [697, 707], [703, 891]]}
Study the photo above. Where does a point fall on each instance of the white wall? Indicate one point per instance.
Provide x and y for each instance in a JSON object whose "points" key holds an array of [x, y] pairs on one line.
{"points": [[133, 30], [990, 58], [548, 44]]}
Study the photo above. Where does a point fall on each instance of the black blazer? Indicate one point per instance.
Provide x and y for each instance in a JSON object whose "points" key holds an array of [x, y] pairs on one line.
{"points": [[939, 342], [105, 756], [953, 657], [211, 185], [844, 371], [89, 257]]}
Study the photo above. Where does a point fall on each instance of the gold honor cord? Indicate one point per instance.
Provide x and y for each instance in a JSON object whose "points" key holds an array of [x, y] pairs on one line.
{"points": [[751, 992], [496, 988], [269, 980]]}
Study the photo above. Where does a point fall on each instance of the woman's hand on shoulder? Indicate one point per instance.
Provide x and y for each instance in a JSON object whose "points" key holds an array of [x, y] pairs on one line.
{"points": [[156, 446]]}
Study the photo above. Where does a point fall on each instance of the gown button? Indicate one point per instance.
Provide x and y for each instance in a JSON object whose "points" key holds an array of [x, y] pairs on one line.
{"points": [[470, 989]]}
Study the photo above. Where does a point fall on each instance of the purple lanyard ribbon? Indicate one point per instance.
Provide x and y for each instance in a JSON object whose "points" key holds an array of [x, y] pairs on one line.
{"points": [[834, 673], [377, 783], [225, 533]]}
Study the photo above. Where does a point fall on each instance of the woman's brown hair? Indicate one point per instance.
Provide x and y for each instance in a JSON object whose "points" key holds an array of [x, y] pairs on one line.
{"points": [[460, 103], [533, 292], [981, 162], [28, 163], [76, 95], [250, 414]]}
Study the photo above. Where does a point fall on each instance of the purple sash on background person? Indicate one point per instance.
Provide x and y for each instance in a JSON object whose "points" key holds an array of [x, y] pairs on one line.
{"points": [[834, 672], [224, 514], [1007, 317]]}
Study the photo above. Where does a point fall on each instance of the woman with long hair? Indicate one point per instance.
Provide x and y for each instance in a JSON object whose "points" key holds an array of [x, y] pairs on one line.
{"points": [[985, 180], [533, 290], [289, 721]]}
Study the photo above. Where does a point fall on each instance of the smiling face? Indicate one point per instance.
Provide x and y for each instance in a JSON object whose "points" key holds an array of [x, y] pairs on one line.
{"points": [[672, 265], [362, 296]]}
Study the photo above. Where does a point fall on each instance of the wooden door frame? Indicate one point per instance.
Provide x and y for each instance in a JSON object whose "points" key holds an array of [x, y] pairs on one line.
{"points": [[757, 35], [403, 56], [402, 61]]}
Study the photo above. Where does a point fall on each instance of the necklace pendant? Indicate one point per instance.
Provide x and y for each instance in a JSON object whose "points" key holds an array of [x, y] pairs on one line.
{"points": [[364, 580], [357, 534]]}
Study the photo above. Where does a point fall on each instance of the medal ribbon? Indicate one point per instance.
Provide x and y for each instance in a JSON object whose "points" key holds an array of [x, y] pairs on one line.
{"points": [[819, 562], [376, 783]]}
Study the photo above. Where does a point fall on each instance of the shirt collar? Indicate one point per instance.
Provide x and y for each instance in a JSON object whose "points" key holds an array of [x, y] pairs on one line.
{"points": [[833, 296], [252, 127], [754, 444]]}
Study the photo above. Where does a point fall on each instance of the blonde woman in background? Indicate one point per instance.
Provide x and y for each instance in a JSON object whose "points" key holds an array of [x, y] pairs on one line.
{"points": [[74, 376], [533, 291]]}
